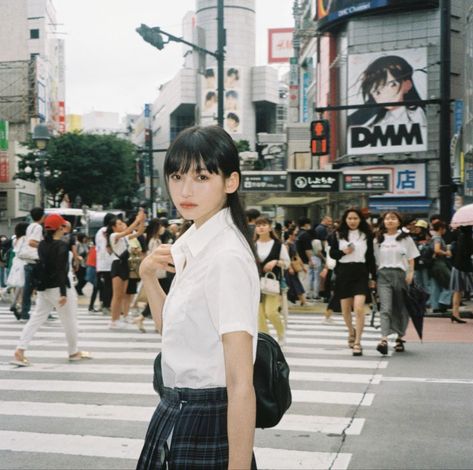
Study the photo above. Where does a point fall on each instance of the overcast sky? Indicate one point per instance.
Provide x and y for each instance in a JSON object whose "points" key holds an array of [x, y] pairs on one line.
{"points": [[110, 68]]}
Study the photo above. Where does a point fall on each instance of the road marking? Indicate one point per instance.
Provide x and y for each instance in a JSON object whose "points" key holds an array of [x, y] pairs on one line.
{"points": [[428, 380], [119, 334], [335, 398], [329, 352], [351, 364], [333, 377], [325, 341], [122, 448], [8, 353], [300, 423]]}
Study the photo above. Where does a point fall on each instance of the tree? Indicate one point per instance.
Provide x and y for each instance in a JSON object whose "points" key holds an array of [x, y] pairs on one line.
{"points": [[100, 169]]}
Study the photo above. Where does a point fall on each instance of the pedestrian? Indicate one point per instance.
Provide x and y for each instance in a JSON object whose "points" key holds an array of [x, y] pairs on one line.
{"points": [[295, 289], [272, 257], [461, 279], [104, 264], [29, 254], [251, 216], [54, 291], [16, 276], [5, 245], [440, 293], [119, 235], [206, 416], [352, 247], [304, 250], [82, 246], [423, 263], [91, 275], [395, 252]]}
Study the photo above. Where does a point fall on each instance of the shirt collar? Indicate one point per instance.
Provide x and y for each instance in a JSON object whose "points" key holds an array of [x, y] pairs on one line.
{"points": [[196, 239]]}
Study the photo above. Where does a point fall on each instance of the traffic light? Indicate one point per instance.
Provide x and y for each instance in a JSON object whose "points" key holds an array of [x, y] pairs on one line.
{"points": [[151, 35], [319, 137]]}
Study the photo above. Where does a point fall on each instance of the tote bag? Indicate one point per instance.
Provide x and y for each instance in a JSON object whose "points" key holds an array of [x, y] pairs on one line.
{"points": [[16, 276], [270, 285]]}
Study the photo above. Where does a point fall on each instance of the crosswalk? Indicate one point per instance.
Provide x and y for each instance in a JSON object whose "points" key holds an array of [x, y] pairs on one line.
{"points": [[94, 414]]}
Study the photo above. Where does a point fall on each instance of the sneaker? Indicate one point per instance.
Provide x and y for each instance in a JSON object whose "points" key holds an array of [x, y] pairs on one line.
{"points": [[113, 325], [106, 311], [93, 310], [327, 321]]}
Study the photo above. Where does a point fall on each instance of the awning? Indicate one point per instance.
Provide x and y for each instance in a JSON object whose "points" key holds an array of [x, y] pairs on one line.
{"points": [[291, 201], [400, 204]]}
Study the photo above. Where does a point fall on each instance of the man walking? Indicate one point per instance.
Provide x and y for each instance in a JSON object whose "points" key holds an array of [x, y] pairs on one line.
{"points": [[304, 250], [29, 254]]}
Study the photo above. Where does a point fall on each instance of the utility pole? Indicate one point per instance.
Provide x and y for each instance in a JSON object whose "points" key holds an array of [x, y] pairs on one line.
{"points": [[445, 190], [220, 61]]}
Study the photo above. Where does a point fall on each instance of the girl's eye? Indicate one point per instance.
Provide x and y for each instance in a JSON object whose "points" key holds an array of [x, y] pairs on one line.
{"points": [[175, 177], [202, 177]]}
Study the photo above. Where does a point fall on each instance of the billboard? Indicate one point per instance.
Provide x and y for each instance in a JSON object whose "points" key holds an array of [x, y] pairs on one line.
{"points": [[387, 77], [233, 100], [280, 48], [331, 12]]}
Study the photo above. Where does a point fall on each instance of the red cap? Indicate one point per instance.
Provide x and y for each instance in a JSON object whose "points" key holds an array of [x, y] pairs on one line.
{"points": [[54, 221]]}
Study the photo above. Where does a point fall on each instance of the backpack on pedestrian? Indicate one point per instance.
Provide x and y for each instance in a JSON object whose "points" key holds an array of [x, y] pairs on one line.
{"points": [[270, 380]]}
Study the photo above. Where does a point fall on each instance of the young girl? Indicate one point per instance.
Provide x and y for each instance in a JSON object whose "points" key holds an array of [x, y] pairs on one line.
{"points": [[395, 252], [55, 293], [388, 79], [272, 256], [208, 321], [118, 234], [352, 247]]}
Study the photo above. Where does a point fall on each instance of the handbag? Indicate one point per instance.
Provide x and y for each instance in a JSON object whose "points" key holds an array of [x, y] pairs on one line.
{"points": [[296, 264], [269, 284], [270, 380], [16, 276], [134, 262]]}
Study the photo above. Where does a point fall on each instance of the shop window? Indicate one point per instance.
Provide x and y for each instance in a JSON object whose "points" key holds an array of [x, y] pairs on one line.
{"points": [[34, 33]]}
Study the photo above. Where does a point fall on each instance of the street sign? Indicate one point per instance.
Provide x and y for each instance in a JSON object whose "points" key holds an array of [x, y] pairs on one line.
{"points": [[366, 182], [315, 181], [264, 181]]}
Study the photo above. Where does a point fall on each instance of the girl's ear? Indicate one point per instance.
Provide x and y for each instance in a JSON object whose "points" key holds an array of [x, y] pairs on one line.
{"points": [[406, 86], [232, 183]]}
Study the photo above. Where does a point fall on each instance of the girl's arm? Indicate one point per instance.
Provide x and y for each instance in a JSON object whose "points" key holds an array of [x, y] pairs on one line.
{"points": [[241, 414], [139, 220], [335, 251], [159, 258], [410, 272]]}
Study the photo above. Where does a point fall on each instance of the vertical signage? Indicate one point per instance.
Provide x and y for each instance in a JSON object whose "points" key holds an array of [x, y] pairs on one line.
{"points": [[4, 164]]}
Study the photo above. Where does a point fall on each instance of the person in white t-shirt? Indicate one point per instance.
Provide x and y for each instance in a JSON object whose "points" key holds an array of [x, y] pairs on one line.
{"points": [[118, 235], [206, 416], [395, 252]]}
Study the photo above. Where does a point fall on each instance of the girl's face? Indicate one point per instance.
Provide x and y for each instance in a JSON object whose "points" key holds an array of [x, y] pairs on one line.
{"points": [[199, 195], [391, 91], [391, 222], [353, 220], [119, 226], [262, 229]]}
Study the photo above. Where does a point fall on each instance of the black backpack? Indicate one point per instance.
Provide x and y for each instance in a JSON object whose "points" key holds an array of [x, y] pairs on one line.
{"points": [[270, 379]]}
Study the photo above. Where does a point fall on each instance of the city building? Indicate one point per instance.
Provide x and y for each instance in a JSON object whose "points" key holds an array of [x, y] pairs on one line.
{"points": [[352, 55], [32, 90]]}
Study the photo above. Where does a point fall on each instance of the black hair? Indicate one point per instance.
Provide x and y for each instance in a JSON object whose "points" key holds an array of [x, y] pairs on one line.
{"points": [[252, 214], [108, 216], [81, 237], [438, 224], [234, 117], [37, 213], [363, 227], [20, 229], [303, 221], [382, 228], [210, 95], [209, 73], [152, 230], [233, 71], [212, 149], [111, 223], [376, 74], [231, 93]]}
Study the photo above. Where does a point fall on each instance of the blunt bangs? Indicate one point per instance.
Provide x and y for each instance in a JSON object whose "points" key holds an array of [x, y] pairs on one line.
{"points": [[202, 148]]}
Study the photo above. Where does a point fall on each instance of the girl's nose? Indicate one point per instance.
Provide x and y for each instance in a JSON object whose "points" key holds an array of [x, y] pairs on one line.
{"points": [[186, 188]]}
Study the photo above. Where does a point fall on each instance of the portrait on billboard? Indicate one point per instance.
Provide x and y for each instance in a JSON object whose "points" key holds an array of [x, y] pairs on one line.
{"points": [[389, 77], [232, 99]]}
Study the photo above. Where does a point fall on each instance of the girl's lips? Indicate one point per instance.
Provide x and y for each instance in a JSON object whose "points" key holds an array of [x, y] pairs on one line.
{"points": [[188, 205]]}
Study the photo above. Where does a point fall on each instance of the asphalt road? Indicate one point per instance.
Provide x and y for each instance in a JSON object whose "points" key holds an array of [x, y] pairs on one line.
{"points": [[410, 410]]}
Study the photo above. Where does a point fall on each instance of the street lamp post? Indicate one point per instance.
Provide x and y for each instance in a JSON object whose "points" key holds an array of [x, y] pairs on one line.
{"points": [[41, 139]]}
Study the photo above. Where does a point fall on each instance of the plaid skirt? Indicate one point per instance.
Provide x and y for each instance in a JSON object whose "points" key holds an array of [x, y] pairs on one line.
{"points": [[196, 420]]}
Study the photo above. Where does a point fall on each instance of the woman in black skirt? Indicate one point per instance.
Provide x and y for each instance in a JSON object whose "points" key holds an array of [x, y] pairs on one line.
{"points": [[208, 320], [461, 277], [352, 247]]}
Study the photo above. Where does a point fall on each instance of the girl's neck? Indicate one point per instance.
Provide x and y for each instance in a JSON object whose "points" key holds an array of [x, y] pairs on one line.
{"points": [[57, 236], [392, 231], [264, 238]]}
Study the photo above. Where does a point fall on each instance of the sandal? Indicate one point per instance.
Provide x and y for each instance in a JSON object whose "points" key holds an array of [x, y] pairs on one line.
{"points": [[20, 362], [382, 347], [78, 356], [399, 345], [351, 339], [357, 350]]}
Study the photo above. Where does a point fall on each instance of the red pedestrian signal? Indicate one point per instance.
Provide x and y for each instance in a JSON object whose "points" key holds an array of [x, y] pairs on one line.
{"points": [[319, 137]]}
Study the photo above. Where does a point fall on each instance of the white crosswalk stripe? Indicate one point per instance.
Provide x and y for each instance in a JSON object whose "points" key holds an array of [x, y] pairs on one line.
{"points": [[115, 390]]}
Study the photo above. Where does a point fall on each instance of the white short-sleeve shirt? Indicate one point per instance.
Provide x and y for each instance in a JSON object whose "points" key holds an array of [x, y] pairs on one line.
{"points": [[360, 246], [394, 253], [215, 291], [104, 258]]}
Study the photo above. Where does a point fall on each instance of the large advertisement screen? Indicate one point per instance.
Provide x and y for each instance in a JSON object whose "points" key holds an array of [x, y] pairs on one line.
{"points": [[330, 12], [387, 77]]}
